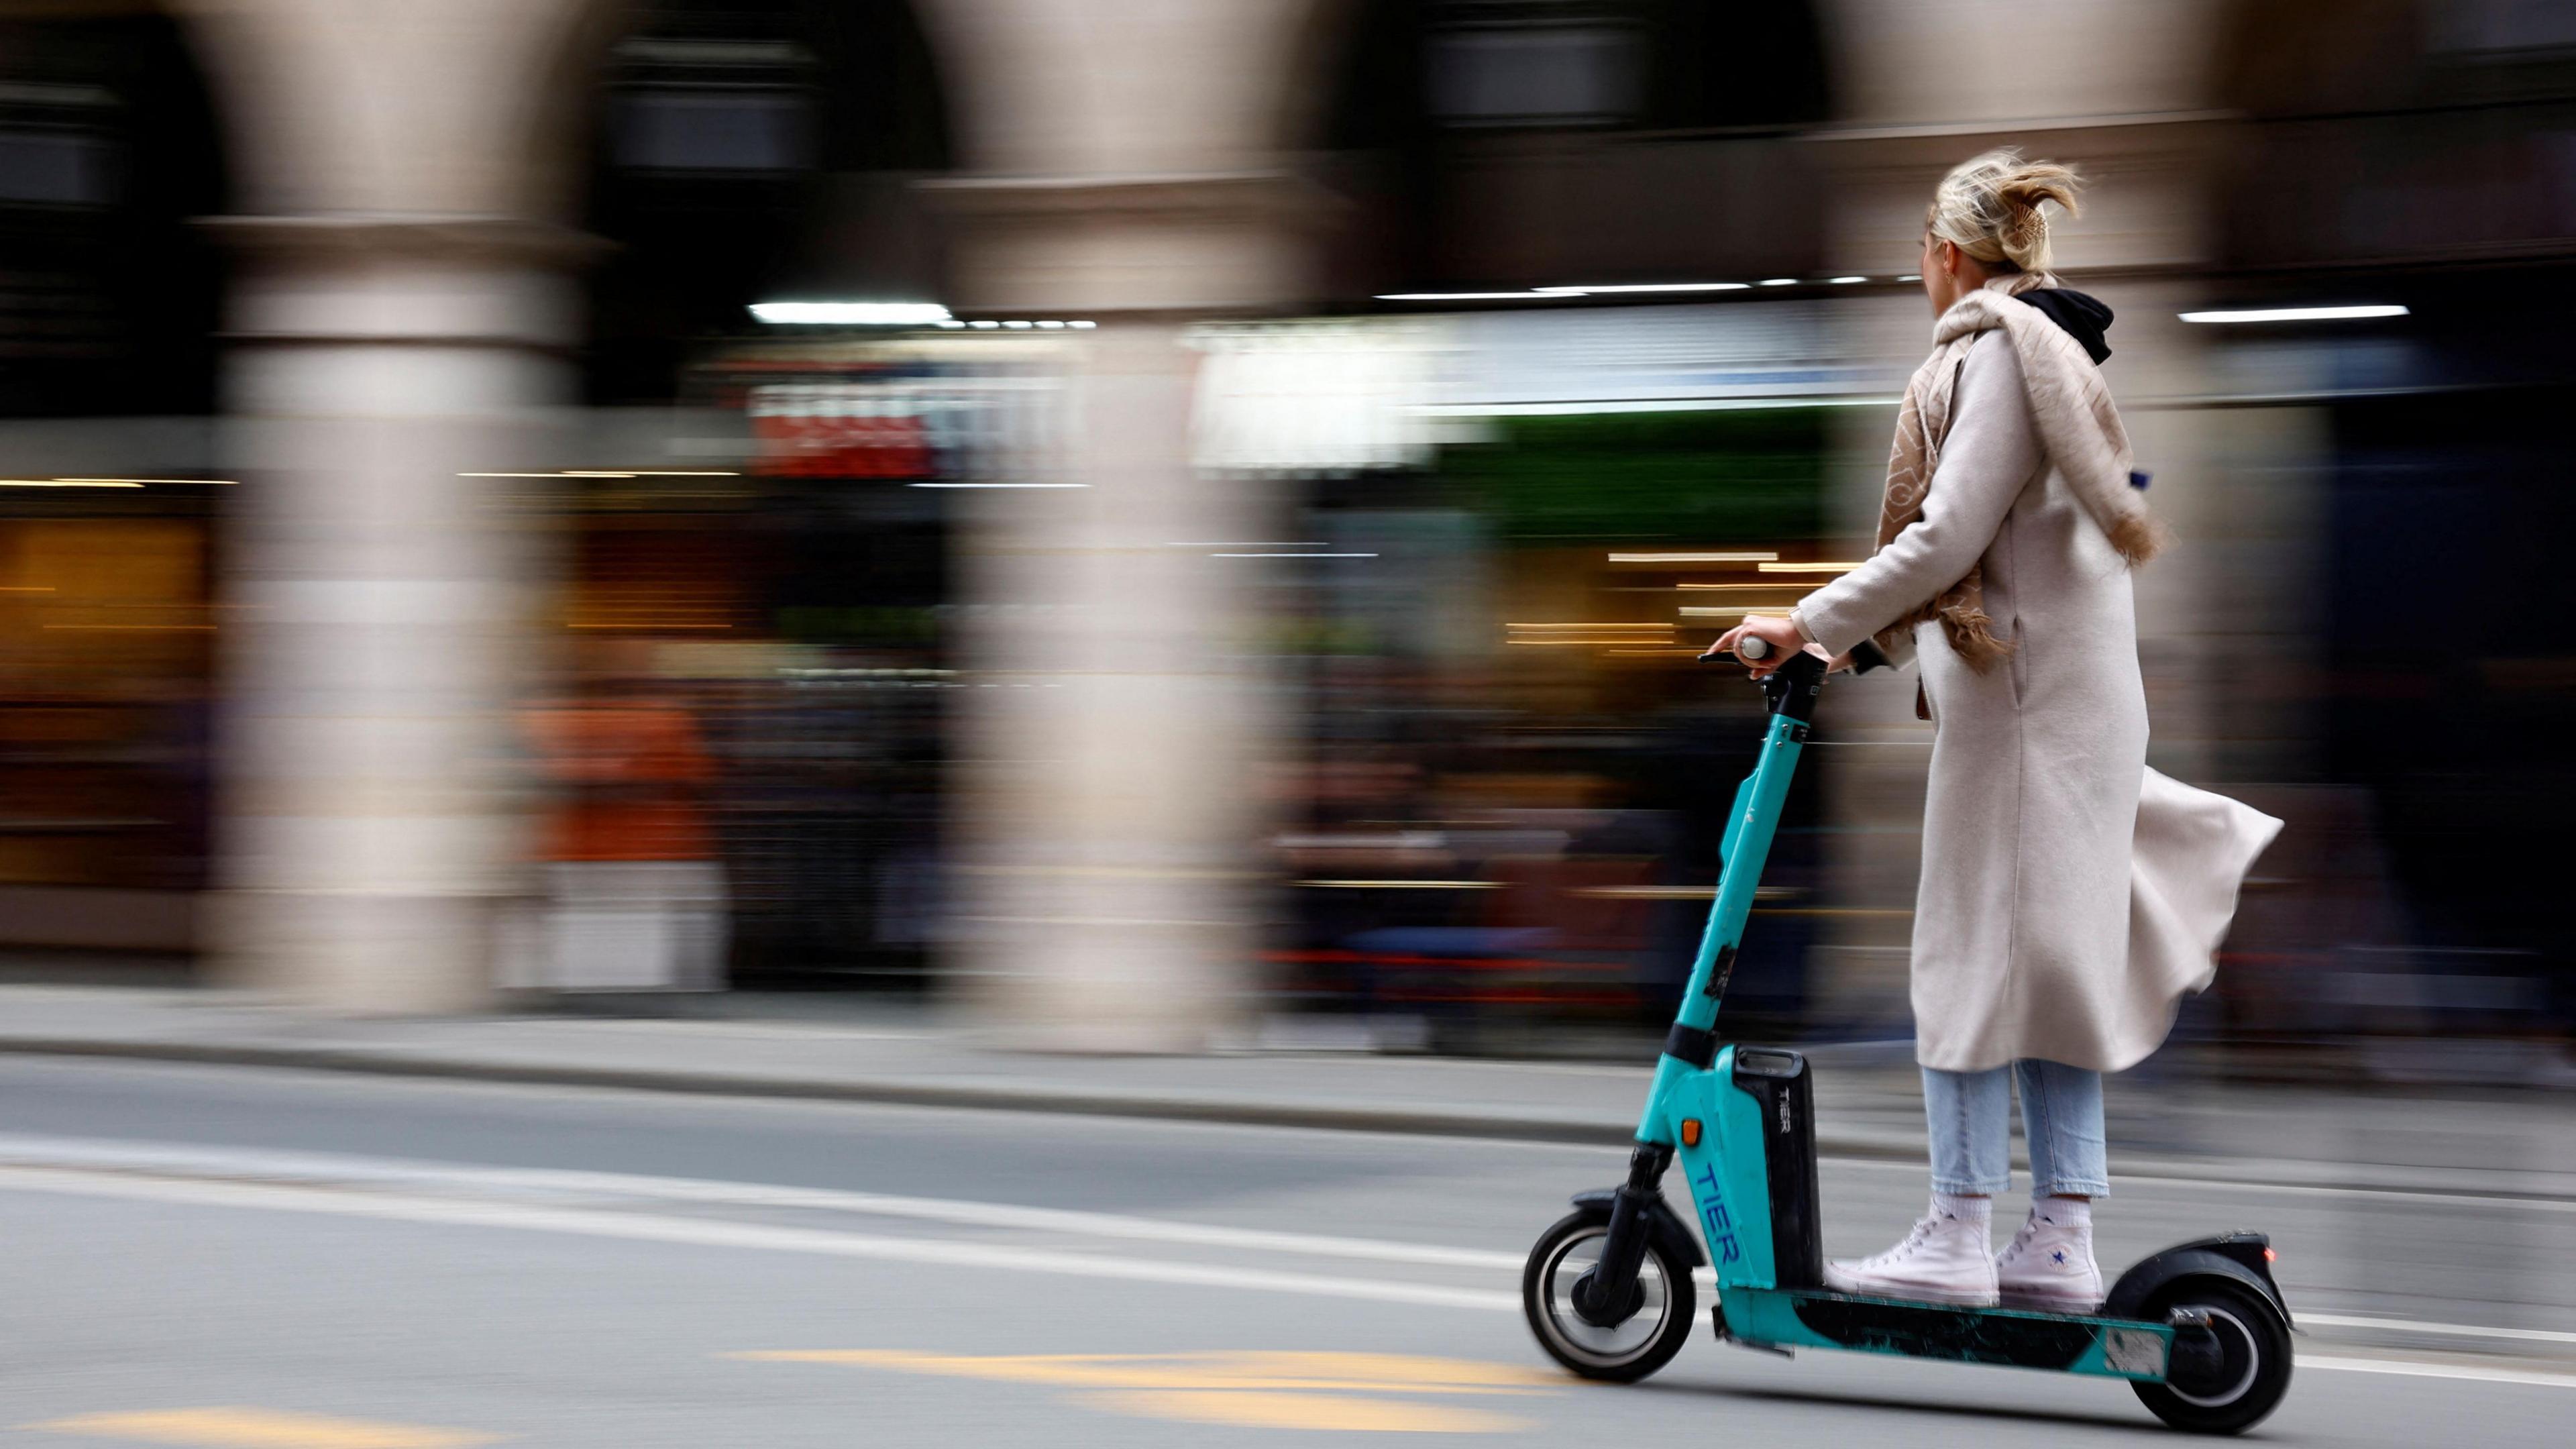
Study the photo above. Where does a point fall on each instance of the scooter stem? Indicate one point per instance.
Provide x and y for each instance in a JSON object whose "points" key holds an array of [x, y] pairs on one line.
{"points": [[1790, 694], [1609, 1294]]}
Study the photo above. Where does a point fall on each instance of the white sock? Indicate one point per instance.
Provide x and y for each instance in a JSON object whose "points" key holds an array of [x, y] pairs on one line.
{"points": [[2066, 1212], [1977, 1210]]}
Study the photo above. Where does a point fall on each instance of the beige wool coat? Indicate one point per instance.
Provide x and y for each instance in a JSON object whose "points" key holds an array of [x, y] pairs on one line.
{"points": [[2070, 896]]}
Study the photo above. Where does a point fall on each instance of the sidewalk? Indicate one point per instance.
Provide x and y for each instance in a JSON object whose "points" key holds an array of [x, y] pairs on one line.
{"points": [[2511, 1143]]}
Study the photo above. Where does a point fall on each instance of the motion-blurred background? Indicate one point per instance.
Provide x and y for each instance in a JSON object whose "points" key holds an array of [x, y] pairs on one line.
{"points": [[1141, 559], [1217, 559]]}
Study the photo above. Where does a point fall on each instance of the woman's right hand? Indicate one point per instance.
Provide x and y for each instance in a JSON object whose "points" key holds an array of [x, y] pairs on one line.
{"points": [[1780, 634]]}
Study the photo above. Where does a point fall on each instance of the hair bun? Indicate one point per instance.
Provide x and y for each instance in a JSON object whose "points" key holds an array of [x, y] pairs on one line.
{"points": [[1990, 207]]}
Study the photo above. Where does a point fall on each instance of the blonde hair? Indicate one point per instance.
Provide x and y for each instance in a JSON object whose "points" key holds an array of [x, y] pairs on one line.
{"points": [[1989, 207]]}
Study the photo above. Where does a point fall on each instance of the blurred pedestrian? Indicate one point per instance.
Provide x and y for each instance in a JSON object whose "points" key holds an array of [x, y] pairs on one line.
{"points": [[2070, 896]]}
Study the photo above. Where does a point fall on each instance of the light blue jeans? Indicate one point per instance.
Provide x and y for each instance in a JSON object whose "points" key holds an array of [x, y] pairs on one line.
{"points": [[1970, 1114]]}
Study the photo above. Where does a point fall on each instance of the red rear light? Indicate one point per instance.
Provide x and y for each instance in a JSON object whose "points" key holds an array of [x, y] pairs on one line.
{"points": [[2270, 1257]]}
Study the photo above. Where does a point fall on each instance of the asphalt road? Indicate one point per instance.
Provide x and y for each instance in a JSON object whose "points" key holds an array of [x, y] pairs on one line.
{"points": [[249, 1258]]}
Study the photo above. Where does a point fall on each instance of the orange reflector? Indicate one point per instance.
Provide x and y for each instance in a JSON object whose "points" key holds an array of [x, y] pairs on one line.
{"points": [[1690, 1131], [2270, 1257]]}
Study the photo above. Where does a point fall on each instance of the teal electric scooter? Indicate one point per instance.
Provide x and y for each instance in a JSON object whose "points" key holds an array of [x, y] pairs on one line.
{"points": [[2200, 1331]]}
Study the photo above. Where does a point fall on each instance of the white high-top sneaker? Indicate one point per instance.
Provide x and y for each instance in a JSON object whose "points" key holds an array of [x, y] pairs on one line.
{"points": [[1946, 1259], [2049, 1263]]}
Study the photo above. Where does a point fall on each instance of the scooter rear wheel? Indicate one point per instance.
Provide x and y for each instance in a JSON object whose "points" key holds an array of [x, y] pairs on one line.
{"points": [[1637, 1346], [2253, 1369]]}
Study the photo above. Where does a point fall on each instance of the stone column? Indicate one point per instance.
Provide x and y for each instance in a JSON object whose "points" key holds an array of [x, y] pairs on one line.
{"points": [[378, 598], [1109, 794]]}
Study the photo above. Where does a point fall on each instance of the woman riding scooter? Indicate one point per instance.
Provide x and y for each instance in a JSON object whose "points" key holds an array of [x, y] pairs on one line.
{"points": [[2070, 896]]}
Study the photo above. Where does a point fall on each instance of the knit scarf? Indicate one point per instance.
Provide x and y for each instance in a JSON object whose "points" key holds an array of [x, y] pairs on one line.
{"points": [[2079, 430]]}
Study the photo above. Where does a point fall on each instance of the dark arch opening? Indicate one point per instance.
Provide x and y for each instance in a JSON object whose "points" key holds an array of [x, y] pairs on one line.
{"points": [[1521, 142], [109, 154], [747, 151]]}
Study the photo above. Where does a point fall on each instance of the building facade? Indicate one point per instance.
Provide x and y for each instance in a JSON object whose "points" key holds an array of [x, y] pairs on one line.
{"points": [[460, 243]]}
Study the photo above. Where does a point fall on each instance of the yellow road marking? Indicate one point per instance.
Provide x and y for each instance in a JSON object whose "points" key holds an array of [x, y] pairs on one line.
{"points": [[1324, 1412], [1244, 1388], [238, 1428], [1245, 1370]]}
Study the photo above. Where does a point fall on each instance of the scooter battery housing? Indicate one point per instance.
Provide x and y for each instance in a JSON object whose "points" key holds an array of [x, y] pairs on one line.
{"points": [[1777, 1082]]}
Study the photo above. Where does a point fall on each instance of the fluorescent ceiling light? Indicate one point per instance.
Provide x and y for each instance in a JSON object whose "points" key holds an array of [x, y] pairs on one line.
{"points": [[1590, 291], [1747, 556], [1646, 405], [1845, 281], [1476, 296], [850, 314], [1777, 282], [1911, 277], [2295, 314]]}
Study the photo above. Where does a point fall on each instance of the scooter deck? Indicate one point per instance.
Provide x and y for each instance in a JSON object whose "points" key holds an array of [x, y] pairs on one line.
{"points": [[2083, 1343]]}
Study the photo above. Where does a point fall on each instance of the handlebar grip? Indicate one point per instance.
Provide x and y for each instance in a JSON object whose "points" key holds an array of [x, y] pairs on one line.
{"points": [[1750, 649]]}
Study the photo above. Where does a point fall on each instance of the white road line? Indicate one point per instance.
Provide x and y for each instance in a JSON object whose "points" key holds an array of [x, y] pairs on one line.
{"points": [[236, 1163], [335, 1172], [2446, 1330], [2409, 1368], [707, 1233], [711, 1233], [2372, 1194]]}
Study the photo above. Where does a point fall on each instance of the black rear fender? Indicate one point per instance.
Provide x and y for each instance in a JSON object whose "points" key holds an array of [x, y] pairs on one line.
{"points": [[2239, 1257]]}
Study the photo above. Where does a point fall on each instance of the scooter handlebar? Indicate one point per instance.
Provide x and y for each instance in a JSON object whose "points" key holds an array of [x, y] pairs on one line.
{"points": [[1789, 689], [1752, 649]]}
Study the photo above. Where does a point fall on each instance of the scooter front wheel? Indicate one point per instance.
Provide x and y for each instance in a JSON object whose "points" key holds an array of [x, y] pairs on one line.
{"points": [[1638, 1345]]}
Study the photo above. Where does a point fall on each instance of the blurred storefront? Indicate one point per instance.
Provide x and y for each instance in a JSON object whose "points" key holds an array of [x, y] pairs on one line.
{"points": [[1514, 535], [761, 534], [793, 590]]}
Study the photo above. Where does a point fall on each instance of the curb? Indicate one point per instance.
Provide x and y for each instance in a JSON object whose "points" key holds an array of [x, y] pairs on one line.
{"points": [[887, 1092], [1848, 1145]]}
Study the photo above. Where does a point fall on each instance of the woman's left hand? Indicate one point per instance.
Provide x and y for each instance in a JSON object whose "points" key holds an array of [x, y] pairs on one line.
{"points": [[1780, 634]]}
